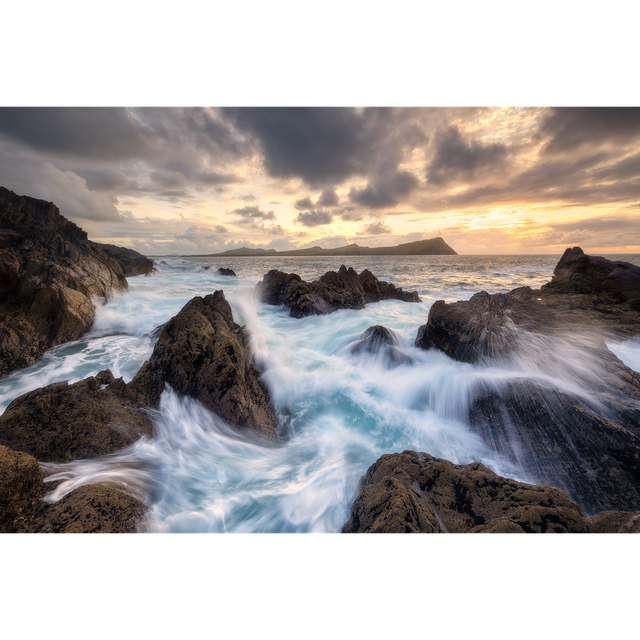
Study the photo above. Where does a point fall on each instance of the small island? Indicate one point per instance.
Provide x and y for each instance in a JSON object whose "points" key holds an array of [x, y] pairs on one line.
{"points": [[431, 247]]}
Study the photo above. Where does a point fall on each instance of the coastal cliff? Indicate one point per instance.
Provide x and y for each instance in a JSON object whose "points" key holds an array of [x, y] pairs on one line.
{"points": [[50, 274]]}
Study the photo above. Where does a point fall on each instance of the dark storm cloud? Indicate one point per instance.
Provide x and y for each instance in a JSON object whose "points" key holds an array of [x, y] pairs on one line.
{"points": [[349, 214], [387, 192], [303, 203], [328, 198], [459, 159], [212, 178], [595, 179], [316, 144], [572, 127], [88, 132], [314, 218]]}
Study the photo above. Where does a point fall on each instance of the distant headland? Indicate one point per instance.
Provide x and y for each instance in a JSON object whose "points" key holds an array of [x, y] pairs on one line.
{"points": [[431, 247]]}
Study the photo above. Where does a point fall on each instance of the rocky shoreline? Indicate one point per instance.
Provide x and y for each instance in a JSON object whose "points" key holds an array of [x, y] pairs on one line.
{"points": [[584, 459]]}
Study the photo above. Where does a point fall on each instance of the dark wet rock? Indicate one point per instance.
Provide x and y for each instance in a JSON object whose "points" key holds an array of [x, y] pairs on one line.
{"points": [[88, 509], [225, 272], [586, 292], [92, 508], [203, 354], [63, 422], [588, 446], [483, 326], [344, 289], [135, 263], [378, 340], [20, 485], [560, 439], [49, 274], [577, 272], [413, 492]]}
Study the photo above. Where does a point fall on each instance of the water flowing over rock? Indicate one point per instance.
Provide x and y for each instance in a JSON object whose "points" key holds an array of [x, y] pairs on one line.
{"points": [[63, 422], [203, 354], [344, 289], [135, 263], [378, 340], [584, 439], [49, 274], [414, 492]]}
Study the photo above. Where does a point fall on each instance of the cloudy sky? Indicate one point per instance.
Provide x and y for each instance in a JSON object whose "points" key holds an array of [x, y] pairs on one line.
{"points": [[203, 180]]}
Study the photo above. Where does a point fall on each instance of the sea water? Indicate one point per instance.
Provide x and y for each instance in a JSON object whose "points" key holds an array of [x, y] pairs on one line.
{"points": [[341, 411]]}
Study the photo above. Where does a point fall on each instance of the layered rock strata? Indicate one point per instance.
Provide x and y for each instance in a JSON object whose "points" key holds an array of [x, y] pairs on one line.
{"points": [[414, 492], [50, 273], [344, 289]]}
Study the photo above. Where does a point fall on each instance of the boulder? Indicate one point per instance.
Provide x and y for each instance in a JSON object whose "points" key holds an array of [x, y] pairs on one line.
{"points": [[485, 326], [344, 289], [203, 354], [222, 271], [412, 492], [50, 275], [92, 508], [63, 422], [577, 272], [135, 263]]}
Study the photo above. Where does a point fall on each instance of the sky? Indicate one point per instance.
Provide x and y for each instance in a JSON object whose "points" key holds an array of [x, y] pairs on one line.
{"points": [[203, 180]]}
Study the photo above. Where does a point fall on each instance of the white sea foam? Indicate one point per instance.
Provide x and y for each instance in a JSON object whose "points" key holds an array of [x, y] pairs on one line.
{"points": [[342, 411]]}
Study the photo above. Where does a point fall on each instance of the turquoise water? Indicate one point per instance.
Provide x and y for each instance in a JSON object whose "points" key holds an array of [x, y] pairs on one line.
{"points": [[342, 411]]}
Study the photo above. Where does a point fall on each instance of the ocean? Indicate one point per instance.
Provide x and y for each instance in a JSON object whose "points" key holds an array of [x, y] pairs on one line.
{"points": [[342, 411]]}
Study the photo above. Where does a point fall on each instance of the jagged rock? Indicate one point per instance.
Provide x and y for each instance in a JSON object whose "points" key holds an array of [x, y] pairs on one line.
{"points": [[225, 272], [344, 289], [586, 291], [413, 492], [483, 326], [577, 272], [201, 354], [49, 274], [378, 340], [63, 422], [591, 451], [135, 263]]}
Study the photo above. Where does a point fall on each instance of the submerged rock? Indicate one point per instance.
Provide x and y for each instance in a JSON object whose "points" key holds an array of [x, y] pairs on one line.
{"points": [[200, 353], [413, 492], [63, 422], [344, 289], [378, 340], [49, 274], [135, 263]]}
